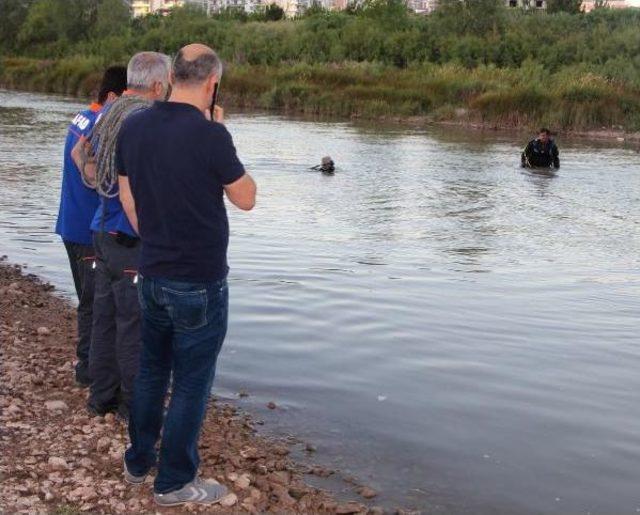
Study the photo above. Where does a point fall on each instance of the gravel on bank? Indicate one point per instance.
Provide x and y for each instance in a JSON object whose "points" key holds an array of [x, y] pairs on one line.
{"points": [[55, 458]]}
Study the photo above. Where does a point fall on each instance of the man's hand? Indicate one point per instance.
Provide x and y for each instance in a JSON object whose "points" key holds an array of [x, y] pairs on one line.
{"points": [[127, 201], [82, 155], [242, 193], [218, 114]]}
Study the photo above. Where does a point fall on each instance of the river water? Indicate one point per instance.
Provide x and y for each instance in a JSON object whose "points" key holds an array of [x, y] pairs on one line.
{"points": [[456, 333]]}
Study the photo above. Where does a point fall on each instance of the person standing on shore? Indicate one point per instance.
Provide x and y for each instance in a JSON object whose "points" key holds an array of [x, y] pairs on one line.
{"points": [[78, 204], [113, 361], [175, 167], [541, 152]]}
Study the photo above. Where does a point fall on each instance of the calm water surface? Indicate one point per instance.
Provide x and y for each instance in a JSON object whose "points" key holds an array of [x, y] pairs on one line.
{"points": [[459, 334]]}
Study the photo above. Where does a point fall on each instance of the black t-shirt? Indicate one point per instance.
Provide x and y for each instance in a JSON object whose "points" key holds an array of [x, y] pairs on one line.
{"points": [[177, 163]]}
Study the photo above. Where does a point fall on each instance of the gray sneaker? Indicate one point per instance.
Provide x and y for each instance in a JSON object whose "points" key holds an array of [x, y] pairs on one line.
{"points": [[130, 478], [198, 491]]}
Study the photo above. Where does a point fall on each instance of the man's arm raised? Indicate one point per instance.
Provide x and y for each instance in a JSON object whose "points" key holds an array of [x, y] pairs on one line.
{"points": [[241, 193]]}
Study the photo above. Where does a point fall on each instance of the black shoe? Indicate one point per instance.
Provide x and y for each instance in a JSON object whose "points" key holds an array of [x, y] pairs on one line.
{"points": [[101, 411], [83, 383], [82, 376]]}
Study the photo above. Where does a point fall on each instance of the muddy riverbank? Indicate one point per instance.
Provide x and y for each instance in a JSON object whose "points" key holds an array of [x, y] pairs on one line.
{"points": [[54, 457]]}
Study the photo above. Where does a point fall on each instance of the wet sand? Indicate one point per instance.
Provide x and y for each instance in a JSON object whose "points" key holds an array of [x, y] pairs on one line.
{"points": [[54, 457]]}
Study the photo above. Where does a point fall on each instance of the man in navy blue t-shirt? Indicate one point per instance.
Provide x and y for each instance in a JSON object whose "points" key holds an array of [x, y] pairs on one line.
{"points": [[78, 203], [175, 167]]}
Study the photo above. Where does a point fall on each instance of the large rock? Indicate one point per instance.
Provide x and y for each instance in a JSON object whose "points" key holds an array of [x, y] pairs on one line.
{"points": [[281, 477], [243, 481], [229, 500], [368, 493], [349, 508], [56, 405], [251, 453], [13, 409], [56, 463], [103, 444], [86, 493], [280, 450]]}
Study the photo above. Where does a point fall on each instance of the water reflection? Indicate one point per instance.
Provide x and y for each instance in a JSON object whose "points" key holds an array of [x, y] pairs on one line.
{"points": [[541, 180]]}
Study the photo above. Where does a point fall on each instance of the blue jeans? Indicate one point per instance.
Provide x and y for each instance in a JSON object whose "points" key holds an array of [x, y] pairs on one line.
{"points": [[183, 327]]}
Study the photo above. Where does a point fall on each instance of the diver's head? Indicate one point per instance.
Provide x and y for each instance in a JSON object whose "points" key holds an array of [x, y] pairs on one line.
{"points": [[327, 164], [544, 135]]}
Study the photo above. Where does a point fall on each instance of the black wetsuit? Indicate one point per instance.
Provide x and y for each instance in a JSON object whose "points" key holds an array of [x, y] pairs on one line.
{"points": [[541, 155]]}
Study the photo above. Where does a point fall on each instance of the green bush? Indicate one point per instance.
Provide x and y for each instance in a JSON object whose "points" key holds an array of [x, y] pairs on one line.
{"points": [[471, 58]]}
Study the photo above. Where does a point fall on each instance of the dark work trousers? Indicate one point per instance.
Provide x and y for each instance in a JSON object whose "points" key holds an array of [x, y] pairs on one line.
{"points": [[81, 259], [114, 358]]}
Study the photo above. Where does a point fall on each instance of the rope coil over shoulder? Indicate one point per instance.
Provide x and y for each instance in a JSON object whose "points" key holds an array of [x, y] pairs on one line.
{"points": [[103, 138]]}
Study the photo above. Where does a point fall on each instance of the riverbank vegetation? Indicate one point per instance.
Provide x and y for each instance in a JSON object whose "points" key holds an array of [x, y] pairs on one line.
{"points": [[470, 61]]}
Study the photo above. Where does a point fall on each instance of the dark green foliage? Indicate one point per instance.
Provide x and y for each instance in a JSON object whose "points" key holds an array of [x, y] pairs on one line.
{"points": [[469, 32], [112, 18], [477, 17], [13, 13], [55, 24], [565, 6], [273, 12], [471, 58]]}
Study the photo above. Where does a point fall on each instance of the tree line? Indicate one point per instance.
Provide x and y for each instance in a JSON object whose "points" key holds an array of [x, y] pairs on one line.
{"points": [[466, 32], [473, 59]]}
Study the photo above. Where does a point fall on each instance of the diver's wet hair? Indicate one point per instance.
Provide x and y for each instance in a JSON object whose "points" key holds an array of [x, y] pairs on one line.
{"points": [[544, 130]]}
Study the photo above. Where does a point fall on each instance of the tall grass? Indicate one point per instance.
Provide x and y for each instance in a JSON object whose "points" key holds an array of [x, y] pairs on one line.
{"points": [[499, 97], [472, 61]]}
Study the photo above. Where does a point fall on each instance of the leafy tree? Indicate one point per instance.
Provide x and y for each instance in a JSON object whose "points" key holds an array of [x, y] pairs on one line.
{"points": [[41, 25], [112, 18], [567, 6], [51, 20], [14, 13], [387, 9], [478, 17], [232, 14], [273, 12]]}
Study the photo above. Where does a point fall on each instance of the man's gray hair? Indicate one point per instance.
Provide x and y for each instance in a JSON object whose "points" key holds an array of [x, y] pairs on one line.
{"points": [[146, 68], [196, 71]]}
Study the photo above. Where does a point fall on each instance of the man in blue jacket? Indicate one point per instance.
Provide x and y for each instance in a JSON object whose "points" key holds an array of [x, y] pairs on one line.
{"points": [[78, 204]]}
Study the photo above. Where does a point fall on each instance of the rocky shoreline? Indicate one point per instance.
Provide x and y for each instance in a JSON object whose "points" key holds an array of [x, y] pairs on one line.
{"points": [[55, 458]]}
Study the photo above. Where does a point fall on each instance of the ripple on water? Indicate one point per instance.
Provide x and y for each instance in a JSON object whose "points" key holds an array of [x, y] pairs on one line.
{"points": [[449, 328]]}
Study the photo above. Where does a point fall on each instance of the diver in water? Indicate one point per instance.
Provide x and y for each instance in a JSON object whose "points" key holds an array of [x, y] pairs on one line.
{"points": [[326, 166], [541, 152]]}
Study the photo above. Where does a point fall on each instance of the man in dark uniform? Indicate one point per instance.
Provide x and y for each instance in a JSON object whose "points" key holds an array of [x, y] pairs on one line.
{"points": [[115, 349], [541, 152], [78, 203]]}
